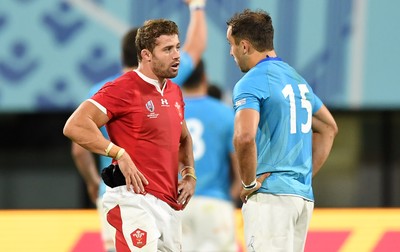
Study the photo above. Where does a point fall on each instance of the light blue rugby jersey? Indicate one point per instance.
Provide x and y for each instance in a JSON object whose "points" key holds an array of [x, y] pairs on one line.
{"points": [[210, 123], [286, 104]]}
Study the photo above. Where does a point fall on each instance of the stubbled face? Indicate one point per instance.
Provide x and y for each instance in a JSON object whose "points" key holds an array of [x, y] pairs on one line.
{"points": [[166, 56], [236, 51]]}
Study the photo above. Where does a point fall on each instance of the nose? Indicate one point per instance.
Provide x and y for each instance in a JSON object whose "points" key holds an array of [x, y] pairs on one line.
{"points": [[177, 53]]}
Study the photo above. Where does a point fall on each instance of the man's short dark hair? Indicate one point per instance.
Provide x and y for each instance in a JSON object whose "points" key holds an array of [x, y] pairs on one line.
{"points": [[129, 52], [254, 26], [151, 30], [196, 77]]}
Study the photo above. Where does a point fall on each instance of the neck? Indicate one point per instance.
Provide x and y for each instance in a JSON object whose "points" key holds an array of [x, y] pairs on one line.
{"points": [[146, 70], [258, 56]]}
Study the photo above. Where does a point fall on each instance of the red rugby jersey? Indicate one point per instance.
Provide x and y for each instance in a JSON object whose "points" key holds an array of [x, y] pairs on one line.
{"points": [[147, 123]]}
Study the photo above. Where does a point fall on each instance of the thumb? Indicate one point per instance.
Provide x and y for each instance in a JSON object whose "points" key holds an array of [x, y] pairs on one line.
{"points": [[263, 177]]}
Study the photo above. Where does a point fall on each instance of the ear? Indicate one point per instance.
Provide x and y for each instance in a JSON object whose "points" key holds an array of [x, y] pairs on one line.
{"points": [[146, 55], [245, 46]]}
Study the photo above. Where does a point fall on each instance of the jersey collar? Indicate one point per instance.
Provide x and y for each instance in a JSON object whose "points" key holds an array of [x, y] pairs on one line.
{"points": [[153, 82], [268, 58]]}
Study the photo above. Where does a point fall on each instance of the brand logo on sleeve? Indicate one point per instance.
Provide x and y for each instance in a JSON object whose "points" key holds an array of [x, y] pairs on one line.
{"points": [[139, 238], [240, 102]]}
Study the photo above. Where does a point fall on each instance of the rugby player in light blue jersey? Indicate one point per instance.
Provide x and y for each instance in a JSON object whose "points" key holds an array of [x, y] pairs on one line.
{"points": [[283, 135], [208, 222]]}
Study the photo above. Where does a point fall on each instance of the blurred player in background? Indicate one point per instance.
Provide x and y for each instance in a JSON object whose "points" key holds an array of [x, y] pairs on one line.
{"points": [[214, 91], [283, 135], [193, 48], [208, 222]]}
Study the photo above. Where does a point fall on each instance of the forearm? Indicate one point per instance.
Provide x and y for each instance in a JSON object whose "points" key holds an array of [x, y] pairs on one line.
{"points": [[324, 132], [196, 36], [83, 128], [87, 136], [247, 160], [320, 151], [186, 151]]}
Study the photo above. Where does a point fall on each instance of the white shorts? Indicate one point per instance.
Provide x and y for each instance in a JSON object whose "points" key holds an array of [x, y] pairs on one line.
{"points": [[142, 222], [208, 225], [107, 231], [276, 222]]}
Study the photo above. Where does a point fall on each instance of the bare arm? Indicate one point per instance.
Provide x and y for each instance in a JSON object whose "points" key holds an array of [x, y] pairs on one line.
{"points": [[187, 184], [196, 36], [83, 128], [246, 123], [324, 131], [86, 165]]}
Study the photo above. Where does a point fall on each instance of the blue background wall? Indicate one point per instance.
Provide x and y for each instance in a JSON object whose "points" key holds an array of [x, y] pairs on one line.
{"points": [[51, 52]]}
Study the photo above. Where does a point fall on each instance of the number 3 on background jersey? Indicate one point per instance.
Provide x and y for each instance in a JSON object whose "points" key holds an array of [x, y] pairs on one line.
{"points": [[196, 130], [305, 104]]}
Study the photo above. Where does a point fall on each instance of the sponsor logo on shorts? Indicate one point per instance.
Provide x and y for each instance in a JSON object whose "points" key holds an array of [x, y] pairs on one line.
{"points": [[139, 238]]}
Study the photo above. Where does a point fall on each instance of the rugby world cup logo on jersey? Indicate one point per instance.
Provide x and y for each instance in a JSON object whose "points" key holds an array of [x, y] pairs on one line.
{"points": [[151, 108]]}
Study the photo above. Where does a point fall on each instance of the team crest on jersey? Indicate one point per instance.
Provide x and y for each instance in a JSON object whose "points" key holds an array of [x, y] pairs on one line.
{"points": [[179, 109], [150, 107], [139, 238]]}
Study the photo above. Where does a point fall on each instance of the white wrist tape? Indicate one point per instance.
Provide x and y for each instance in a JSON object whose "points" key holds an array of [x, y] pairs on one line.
{"points": [[251, 186], [197, 4]]}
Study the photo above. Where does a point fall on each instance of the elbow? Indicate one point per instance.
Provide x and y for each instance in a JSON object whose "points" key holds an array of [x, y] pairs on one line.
{"points": [[67, 130], [243, 140], [334, 129]]}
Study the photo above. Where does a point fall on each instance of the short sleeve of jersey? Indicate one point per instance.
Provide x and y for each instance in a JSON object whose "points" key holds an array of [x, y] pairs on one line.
{"points": [[249, 92], [317, 104], [115, 97], [186, 67]]}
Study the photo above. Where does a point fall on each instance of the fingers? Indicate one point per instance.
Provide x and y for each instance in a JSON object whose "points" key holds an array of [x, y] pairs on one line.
{"points": [[137, 180], [185, 192], [186, 202]]}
